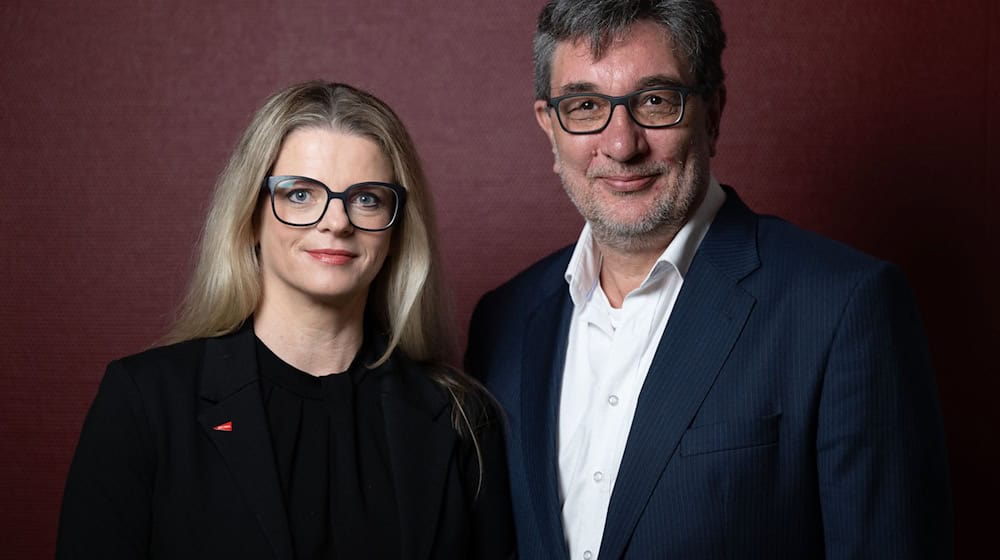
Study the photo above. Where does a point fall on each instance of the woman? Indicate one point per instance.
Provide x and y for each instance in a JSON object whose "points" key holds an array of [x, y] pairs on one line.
{"points": [[302, 408]]}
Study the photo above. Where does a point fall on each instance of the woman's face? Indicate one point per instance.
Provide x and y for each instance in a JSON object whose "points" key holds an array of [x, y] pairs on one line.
{"points": [[330, 262]]}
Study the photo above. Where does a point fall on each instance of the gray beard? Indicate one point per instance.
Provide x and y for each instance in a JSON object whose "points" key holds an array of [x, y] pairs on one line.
{"points": [[669, 212]]}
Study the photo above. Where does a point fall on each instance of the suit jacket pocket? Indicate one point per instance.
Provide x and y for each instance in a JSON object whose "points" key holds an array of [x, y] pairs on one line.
{"points": [[726, 436]]}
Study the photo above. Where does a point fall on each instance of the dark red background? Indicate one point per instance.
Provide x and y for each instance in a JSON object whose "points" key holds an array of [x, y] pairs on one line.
{"points": [[872, 122]]}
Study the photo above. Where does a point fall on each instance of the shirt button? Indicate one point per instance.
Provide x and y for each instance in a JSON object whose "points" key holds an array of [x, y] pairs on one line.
{"points": [[613, 400], [598, 476], [587, 555]]}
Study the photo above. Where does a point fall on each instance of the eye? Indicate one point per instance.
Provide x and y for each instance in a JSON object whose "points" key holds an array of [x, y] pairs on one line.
{"points": [[366, 199], [583, 107], [299, 196], [662, 99], [299, 191]]}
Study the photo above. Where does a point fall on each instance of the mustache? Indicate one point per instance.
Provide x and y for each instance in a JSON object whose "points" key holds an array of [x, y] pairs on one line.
{"points": [[638, 170]]}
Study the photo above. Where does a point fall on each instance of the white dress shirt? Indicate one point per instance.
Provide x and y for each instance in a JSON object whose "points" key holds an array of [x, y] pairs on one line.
{"points": [[608, 354]]}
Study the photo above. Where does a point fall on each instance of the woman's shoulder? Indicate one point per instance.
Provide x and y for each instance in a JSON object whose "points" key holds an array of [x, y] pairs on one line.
{"points": [[160, 359], [152, 384], [178, 368], [448, 388], [186, 355]]}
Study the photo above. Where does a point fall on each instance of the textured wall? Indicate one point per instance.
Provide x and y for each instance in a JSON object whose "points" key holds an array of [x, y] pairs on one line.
{"points": [[874, 123]]}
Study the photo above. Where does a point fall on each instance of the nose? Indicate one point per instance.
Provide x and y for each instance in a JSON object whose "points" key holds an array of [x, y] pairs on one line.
{"points": [[623, 139], [335, 220]]}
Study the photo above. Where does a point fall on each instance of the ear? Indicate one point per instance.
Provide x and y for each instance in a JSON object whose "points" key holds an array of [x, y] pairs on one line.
{"points": [[544, 118], [713, 117]]}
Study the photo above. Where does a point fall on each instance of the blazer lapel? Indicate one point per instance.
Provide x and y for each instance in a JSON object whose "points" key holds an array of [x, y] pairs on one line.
{"points": [[420, 439], [705, 323], [541, 379], [233, 417]]}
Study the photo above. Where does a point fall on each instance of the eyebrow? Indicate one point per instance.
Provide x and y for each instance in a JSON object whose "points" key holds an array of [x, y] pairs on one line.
{"points": [[660, 80], [646, 82], [577, 87]]}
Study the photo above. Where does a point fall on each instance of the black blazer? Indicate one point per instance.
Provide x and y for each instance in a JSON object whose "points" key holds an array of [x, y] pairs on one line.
{"points": [[153, 478]]}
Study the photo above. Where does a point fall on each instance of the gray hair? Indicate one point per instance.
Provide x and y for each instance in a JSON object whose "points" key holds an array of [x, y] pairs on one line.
{"points": [[694, 26]]}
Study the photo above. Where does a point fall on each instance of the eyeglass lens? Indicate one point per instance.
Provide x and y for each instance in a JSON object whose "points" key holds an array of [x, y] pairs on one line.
{"points": [[655, 107], [303, 202]]}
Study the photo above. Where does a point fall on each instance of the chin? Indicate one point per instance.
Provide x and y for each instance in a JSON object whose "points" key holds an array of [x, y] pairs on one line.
{"points": [[337, 296]]}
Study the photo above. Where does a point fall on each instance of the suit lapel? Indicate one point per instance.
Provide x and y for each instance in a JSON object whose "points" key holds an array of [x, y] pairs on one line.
{"points": [[231, 399], [541, 378], [705, 323], [420, 439]]}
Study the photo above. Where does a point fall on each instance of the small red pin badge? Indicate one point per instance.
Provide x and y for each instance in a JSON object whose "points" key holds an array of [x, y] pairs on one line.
{"points": [[224, 427]]}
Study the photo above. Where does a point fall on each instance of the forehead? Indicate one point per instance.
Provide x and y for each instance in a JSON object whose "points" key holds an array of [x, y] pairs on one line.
{"points": [[332, 156], [644, 52]]}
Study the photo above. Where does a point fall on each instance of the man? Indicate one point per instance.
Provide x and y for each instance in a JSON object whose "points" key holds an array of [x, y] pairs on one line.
{"points": [[690, 379]]}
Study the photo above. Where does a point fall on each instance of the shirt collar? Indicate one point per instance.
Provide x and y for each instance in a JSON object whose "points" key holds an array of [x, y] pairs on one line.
{"points": [[583, 272]]}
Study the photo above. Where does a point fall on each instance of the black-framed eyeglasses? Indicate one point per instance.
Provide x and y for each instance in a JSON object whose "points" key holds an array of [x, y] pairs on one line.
{"points": [[302, 201], [654, 107]]}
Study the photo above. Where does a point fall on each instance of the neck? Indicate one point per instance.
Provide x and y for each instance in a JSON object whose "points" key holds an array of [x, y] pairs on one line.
{"points": [[317, 338], [625, 265]]}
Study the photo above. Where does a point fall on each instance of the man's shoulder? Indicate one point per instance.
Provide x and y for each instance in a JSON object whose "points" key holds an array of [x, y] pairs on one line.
{"points": [[804, 268], [503, 312], [782, 243], [779, 244], [535, 283]]}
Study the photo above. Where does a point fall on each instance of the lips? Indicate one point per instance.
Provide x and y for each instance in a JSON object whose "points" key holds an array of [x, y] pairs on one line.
{"points": [[628, 183], [332, 256]]}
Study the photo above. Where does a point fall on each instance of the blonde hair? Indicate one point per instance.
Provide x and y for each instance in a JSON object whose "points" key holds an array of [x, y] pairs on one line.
{"points": [[406, 300]]}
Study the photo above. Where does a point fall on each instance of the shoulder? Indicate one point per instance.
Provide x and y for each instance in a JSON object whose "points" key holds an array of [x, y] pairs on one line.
{"points": [[413, 384], [141, 395], [804, 258], [162, 364], [743, 241], [444, 392], [549, 268], [538, 280], [788, 269], [529, 287], [155, 384], [777, 237], [770, 245], [815, 280], [171, 355]]}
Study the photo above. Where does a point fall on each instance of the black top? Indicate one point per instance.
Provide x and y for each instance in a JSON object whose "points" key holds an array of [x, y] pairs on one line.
{"points": [[176, 462], [332, 458]]}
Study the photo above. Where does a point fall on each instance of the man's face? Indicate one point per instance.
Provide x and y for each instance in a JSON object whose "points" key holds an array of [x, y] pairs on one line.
{"points": [[636, 186]]}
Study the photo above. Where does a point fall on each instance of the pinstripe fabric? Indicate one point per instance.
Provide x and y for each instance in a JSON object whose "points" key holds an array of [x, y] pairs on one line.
{"points": [[789, 412]]}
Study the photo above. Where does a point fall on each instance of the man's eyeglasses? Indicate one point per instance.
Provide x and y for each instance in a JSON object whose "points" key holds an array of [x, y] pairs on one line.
{"points": [[655, 107], [301, 201]]}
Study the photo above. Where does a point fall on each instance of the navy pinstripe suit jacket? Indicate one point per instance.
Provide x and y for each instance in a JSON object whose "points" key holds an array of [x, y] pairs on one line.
{"points": [[789, 411]]}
